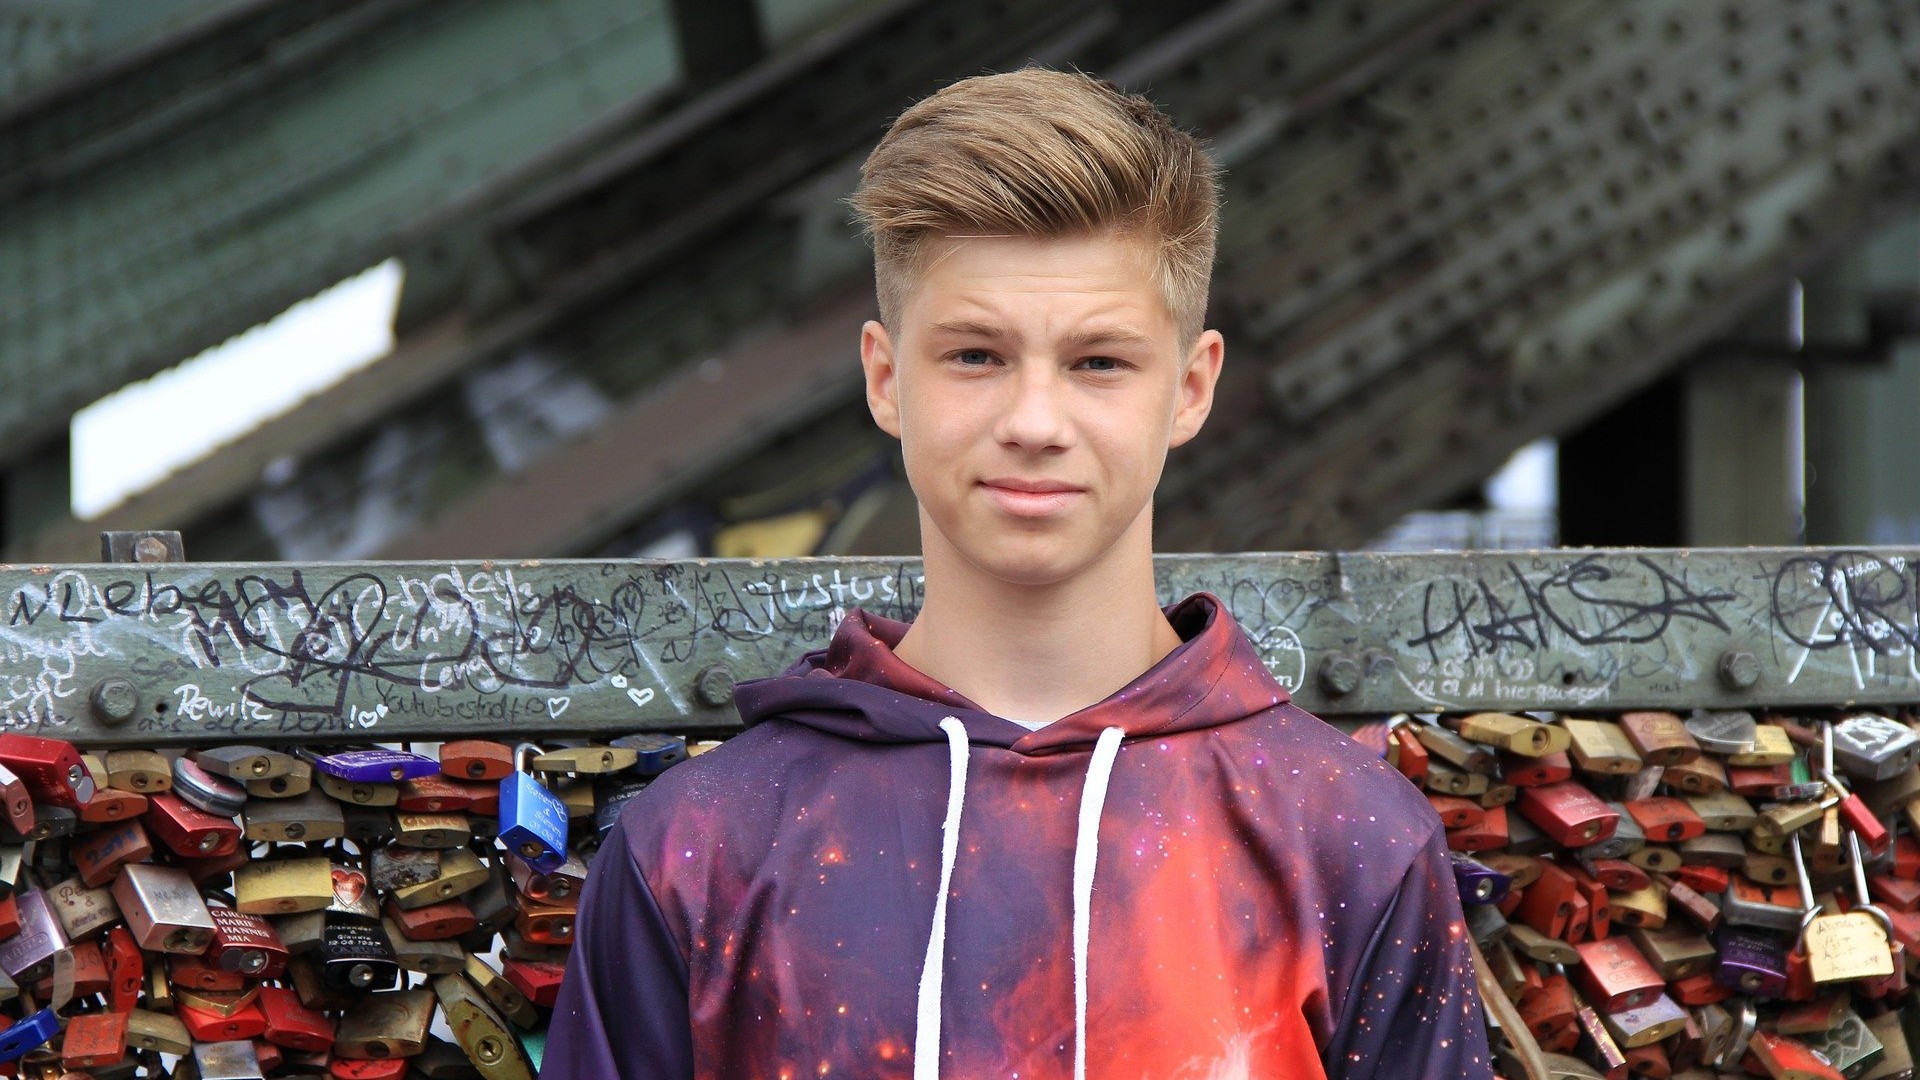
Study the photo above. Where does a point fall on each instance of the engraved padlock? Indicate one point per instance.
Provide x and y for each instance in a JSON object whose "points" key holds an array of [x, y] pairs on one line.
{"points": [[1843, 947], [1873, 747], [533, 821]]}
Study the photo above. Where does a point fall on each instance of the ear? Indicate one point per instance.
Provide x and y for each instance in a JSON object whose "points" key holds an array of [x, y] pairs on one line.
{"points": [[1196, 386], [876, 359]]}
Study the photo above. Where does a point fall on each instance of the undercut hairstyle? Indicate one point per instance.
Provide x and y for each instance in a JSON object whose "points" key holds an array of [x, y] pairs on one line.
{"points": [[1040, 153]]}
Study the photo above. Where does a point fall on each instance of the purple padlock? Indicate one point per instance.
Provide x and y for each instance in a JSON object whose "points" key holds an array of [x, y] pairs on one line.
{"points": [[375, 766], [1752, 961], [1478, 882]]}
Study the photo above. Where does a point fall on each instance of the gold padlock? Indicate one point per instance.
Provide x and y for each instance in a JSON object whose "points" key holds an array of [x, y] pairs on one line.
{"points": [[1447, 780], [438, 831], [461, 871], [504, 996], [143, 772], [586, 760], [1723, 811], [359, 792], [1514, 734], [481, 1031], [305, 818], [150, 1030], [385, 1024], [1771, 746], [283, 886], [297, 780], [1597, 746], [1843, 947], [1645, 906]]}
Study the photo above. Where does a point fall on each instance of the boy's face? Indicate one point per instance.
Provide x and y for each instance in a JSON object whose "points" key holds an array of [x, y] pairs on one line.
{"points": [[1032, 362]]}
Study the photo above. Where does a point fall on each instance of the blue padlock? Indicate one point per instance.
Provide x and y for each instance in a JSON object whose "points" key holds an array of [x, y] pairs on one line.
{"points": [[28, 1034], [533, 820]]}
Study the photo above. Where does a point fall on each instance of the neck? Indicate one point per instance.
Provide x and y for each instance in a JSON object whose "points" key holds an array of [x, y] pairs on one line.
{"points": [[1038, 652]]}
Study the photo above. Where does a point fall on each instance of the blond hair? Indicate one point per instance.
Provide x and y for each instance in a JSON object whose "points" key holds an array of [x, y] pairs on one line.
{"points": [[1044, 154]]}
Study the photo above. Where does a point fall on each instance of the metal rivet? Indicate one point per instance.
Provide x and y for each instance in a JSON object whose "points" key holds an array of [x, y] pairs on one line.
{"points": [[1339, 674], [114, 700], [714, 687]]}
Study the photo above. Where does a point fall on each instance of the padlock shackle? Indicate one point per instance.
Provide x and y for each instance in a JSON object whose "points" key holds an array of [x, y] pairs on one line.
{"points": [[1860, 885]]}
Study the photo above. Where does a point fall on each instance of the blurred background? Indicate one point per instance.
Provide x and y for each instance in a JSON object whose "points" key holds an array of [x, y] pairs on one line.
{"points": [[352, 279]]}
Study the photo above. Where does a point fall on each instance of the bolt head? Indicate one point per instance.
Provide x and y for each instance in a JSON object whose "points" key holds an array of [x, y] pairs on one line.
{"points": [[1739, 669], [1339, 674], [114, 700], [714, 687]]}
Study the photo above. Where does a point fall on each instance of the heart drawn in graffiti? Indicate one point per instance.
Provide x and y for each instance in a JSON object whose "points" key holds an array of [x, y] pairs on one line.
{"points": [[640, 695], [557, 705]]}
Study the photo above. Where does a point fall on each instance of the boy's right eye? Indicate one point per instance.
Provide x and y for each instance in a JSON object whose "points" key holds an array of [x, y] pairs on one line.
{"points": [[973, 357]]}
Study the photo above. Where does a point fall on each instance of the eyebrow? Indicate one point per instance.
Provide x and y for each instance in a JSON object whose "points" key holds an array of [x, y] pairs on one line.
{"points": [[1097, 336]]}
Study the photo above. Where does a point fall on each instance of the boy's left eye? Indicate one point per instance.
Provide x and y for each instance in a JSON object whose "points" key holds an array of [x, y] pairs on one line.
{"points": [[1103, 363]]}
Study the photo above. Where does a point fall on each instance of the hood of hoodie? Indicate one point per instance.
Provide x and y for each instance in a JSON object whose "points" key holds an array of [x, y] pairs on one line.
{"points": [[858, 688]]}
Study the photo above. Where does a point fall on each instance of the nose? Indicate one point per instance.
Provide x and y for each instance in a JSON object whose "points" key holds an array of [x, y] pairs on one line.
{"points": [[1035, 415]]}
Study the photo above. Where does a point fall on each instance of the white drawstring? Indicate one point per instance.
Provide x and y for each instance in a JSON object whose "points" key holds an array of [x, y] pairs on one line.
{"points": [[1086, 848], [926, 1035]]}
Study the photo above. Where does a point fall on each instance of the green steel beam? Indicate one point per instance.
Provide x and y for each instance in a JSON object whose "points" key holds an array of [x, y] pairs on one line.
{"points": [[137, 229], [169, 653]]}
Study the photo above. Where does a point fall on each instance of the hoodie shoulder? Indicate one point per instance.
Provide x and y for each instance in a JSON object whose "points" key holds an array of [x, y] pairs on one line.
{"points": [[1349, 783]]}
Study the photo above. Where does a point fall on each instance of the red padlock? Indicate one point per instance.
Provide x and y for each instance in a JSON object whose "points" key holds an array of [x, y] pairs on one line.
{"points": [[189, 831], [291, 1024], [541, 981], [99, 855], [1536, 772], [1614, 975], [51, 769], [1487, 834], [1548, 904], [433, 922], [246, 1022], [1665, 819], [94, 1040], [367, 1068], [1569, 813], [126, 970]]}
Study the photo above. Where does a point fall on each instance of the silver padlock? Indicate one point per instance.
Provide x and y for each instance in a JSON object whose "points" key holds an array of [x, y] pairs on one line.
{"points": [[1872, 747]]}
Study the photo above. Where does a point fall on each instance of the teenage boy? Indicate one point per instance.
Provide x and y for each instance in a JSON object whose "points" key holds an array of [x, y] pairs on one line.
{"points": [[1050, 829]]}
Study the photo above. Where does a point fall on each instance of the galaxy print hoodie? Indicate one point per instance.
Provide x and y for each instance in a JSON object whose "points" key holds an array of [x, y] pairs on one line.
{"points": [[1190, 879]]}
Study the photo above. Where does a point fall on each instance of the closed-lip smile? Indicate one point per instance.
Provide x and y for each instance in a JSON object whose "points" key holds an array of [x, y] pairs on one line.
{"points": [[1037, 486]]}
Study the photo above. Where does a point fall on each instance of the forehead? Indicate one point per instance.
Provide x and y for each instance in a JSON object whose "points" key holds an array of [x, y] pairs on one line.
{"points": [[1038, 283]]}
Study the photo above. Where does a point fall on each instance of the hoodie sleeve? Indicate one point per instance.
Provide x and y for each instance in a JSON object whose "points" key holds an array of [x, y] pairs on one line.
{"points": [[622, 1010], [1413, 1010]]}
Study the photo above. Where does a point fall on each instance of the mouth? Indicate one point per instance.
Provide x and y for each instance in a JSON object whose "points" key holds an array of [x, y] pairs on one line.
{"points": [[1031, 500]]}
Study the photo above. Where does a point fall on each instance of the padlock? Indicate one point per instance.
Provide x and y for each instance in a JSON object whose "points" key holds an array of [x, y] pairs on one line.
{"points": [[246, 944], [427, 956], [49, 822], [533, 821], [566, 882], [291, 1024], [28, 1034], [187, 830], [83, 910], [1771, 746], [206, 791], [1625, 841], [1703, 878], [94, 1039], [246, 1022], [396, 867], [28, 954], [1535, 945], [1768, 869], [1548, 905], [143, 772], [1617, 875], [1751, 960], [1598, 1041], [658, 750], [1441, 777], [1598, 746], [552, 924], [195, 973], [1674, 951], [221, 1003], [385, 1025], [475, 759], [1404, 752], [243, 763], [1780, 819], [1786, 1058], [1713, 849], [1848, 1044], [1723, 811], [1643, 907], [1893, 893], [1759, 781], [1896, 1057], [51, 769], [163, 910], [1569, 813], [99, 855], [1509, 733], [307, 818], [1614, 975], [540, 983], [1644, 784], [1488, 834], [1701, 988], [110, 805], [1720, 1034], [303, 970], [439, 794], [1665, 819], [1853, 810], [359, 792], [367, 1068], [1455, 812], [1872, 747], [1730, 731], [1701, 776], [1644, 1025], [284, 886], [576, 794], [480, 1030], [433, 922], [461, 872], [1842, 947], [1532, 772], [297, 780], [1453, 749], [502, 994], [599, 760], [439, 831], [126, 969], [1660, 737], [1774, 907], [356, 956], [371, 766]]}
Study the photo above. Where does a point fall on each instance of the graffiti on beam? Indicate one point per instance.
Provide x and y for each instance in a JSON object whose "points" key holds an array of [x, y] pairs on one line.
{"points": [[349, 649]]}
